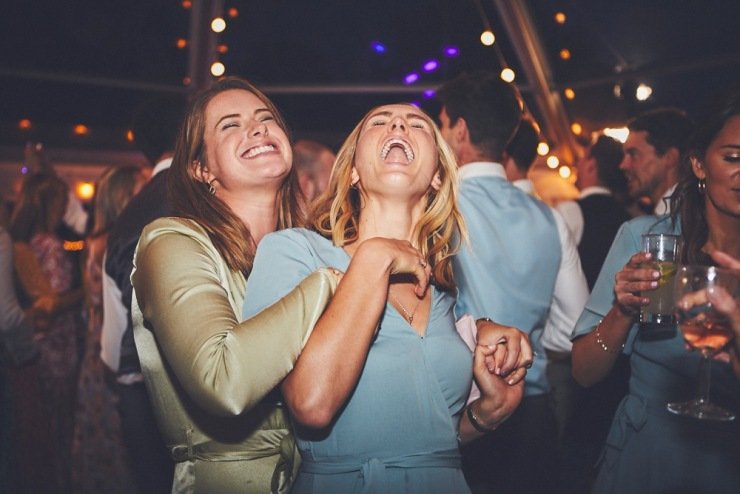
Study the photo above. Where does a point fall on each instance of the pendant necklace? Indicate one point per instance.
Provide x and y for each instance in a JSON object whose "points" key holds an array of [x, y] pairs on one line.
{"points": [[408, 316]]}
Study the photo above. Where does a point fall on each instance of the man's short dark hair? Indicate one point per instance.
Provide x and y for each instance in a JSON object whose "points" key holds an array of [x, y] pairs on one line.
{"points": [[666, 128], [155, 124], [608, 154], [523, 147], [491, 107]]}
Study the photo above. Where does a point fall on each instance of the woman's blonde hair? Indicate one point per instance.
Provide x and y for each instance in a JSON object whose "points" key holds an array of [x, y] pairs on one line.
{"points": [[115, 189], [439, 231], [190, 197]]}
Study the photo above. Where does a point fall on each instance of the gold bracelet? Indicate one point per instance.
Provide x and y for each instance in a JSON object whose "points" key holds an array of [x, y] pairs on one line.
{"points": [[602, 343]]}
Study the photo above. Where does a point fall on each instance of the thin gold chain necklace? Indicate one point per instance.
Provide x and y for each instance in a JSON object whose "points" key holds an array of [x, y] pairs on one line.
{"points": [[409, 316]]}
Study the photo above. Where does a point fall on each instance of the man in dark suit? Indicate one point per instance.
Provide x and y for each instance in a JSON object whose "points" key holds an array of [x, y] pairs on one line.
{"points": [[155, 126]]}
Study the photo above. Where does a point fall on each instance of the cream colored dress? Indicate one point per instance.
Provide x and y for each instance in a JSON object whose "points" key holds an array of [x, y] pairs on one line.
{"points": [[207, 373]]}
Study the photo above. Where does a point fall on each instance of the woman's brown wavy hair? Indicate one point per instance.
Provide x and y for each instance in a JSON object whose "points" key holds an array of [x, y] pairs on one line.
{"points": [[437, 235], [190, 198]]}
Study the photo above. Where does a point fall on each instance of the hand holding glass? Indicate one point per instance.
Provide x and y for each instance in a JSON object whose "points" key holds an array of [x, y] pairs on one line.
{"points": [[704, 329], [657, 317]]}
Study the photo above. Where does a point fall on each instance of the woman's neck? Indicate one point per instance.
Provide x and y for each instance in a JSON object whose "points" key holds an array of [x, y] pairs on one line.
{"points": [[724, 233], [258, 212], [389, 219]]}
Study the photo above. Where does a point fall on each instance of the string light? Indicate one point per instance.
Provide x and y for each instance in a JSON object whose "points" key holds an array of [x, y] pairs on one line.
{"points": [[186, 4], [218, 69], [233, 12], [543, 148], [218, 25], [182, 43], [81, 129], [508, 75], [552, 161], [565, 171], [222, 49], [85, 190], [576, 128], [130, 135], [411, 78], [431, 66], [487, 37], [451, 51], [560, 17], [643, 92], [569, 93], [378, 47], [565, 54], [24, 124]]}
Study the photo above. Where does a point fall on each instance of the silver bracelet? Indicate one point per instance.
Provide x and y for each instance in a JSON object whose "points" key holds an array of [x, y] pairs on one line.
{"points": [[602, 343]]}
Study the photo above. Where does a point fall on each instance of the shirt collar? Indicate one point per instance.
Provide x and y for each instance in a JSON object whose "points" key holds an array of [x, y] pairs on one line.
{"points": [[663, 206], [481, 169], [161, 165], [594, 190]]}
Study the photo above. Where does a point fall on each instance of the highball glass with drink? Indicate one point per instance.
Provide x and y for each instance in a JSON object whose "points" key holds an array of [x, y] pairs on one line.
{"points": [[704, 329], [657, 318]]}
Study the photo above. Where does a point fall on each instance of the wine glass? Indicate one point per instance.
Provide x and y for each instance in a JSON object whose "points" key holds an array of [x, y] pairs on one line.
{"points": [[704, 329]]}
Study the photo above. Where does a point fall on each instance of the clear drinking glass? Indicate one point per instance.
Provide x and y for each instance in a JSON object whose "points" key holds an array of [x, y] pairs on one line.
{"points": [[657, 318], [704, 329]]}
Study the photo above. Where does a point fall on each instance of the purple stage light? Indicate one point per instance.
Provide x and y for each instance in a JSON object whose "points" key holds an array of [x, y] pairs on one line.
{"points": [[429, 93], [431, 65], [411, 78], [378, 47], [451, 51], [24, 170]]}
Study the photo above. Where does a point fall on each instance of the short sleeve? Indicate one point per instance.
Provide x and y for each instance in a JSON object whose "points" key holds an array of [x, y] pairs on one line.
{"points": [[626, 243]]}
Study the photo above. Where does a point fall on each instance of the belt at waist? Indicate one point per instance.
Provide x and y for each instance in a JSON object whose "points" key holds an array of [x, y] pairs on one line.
{"points": [[373, 469]]}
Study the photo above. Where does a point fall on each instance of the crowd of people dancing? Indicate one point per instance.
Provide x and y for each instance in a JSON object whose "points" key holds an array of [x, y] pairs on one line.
{"points": [[404, 316]]}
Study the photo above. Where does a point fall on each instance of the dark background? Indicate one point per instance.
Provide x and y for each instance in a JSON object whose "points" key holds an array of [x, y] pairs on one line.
{"points": [[84, 61]]}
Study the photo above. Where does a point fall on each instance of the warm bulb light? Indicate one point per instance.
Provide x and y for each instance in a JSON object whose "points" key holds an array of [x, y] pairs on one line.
{"points": [[565, 171], [508, 75], [81, 130], [560, 18], [130, 135], [222, 49], [217, 69], [576, 128], [182, 43], [487, 37], [543, 148], [569, 93], [85, 190], [565, 54], [643, 92], [186, 4], [553, 161], [233, 12], [218, 24], [24, 124]]}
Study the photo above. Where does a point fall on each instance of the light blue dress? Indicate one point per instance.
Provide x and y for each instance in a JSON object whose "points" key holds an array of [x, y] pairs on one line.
{"points": [[648, 449], [398, 431]]}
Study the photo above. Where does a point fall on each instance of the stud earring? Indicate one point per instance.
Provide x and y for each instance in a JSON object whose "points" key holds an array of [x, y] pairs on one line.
{"points": [[701, 185]]}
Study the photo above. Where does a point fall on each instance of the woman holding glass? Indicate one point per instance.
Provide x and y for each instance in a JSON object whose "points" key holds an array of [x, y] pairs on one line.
{"points": [[650, 449], [379, 392]]}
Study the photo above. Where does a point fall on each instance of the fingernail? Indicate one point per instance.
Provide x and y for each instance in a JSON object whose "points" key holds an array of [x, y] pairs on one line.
{"points": [[498, 371], [653, 284]]}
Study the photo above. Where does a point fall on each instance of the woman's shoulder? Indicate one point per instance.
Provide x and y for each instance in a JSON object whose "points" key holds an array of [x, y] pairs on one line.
{"points": [[177, 233], [651, 224], [303, 236]]}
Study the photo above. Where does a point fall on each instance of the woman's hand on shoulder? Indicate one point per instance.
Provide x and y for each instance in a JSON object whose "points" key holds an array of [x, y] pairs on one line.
{"points": [[398, 257], [631, 281]]}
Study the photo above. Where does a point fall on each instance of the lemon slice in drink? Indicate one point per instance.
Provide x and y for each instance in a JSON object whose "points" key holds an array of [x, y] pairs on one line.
{"points": [[667, 269]]}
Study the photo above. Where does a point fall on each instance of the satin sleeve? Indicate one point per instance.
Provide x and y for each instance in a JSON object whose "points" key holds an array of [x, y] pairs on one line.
{"points": [[189, 299]]}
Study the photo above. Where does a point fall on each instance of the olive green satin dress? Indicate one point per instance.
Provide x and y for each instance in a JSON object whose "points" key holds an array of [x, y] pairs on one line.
{"points": [[208, 374]]}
